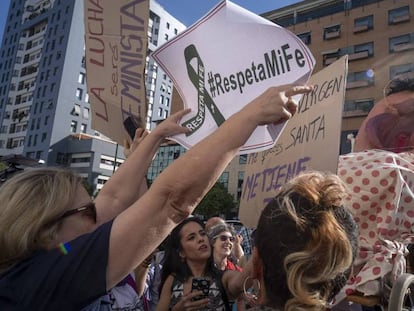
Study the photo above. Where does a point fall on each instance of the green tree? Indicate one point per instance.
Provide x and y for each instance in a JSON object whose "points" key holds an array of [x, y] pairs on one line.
{"points": [[217, 201]]}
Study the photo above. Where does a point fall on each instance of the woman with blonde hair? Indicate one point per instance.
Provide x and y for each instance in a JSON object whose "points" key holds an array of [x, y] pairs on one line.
{"points": [[305, 244], [61, 251]]}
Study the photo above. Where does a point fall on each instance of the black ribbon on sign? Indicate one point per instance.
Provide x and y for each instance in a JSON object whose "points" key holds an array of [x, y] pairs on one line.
{"points": [[204, 99]]}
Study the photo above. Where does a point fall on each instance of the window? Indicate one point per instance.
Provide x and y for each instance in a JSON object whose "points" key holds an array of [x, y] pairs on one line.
{"points": [[332, 32], [243, 159], [240, 180], [83, 128], [361, 51], [166, 37], [86, 113], [363, 24], [330, 56], [224, 179], [161, 99], [305, 37], [160, 112], [168, 25], [399, 15], [399, 70], [81, 78], [73, 126], [79, 93], [402, 43], [360, 79], [358, 107], [76, 110]]}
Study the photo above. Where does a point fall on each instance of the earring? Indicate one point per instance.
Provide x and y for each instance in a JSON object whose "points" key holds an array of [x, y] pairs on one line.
{"points": [[253, 291]]}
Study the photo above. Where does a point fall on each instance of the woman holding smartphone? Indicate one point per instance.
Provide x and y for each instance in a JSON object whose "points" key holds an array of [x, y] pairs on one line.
{"points": [[189, 267]]}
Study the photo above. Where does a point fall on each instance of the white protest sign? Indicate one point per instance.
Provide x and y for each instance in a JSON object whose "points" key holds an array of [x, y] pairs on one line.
{"points": [[224, 61], [310, 141], [115, 49]]}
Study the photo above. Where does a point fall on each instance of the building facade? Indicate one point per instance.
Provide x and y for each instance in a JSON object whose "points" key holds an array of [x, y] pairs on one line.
{"points": [[161, 28], [378, 36], [44, 106]]}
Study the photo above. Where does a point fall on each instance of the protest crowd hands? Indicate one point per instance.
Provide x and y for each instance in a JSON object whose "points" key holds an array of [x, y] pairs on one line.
{"points": [[170, 126], [276, 105], [188, 304], [129, 146]]}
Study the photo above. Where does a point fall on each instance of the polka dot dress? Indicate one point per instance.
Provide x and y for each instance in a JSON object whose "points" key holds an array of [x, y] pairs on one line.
{"points": [[381, 184]]}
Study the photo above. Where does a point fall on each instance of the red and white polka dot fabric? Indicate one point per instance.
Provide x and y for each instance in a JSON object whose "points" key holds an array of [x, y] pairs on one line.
{"points": [[381, 184]]}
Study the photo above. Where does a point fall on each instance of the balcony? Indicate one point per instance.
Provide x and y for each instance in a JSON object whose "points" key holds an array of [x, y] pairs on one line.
{"points": [[329, 60], [361, 28], [354, 113], [332, 35], [403, 46], [400, 19], [357, 84], [358, 55]]}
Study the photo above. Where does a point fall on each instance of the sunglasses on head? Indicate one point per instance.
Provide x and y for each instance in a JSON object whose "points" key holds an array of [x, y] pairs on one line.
{"points": [[88, 210], [224, 238]]}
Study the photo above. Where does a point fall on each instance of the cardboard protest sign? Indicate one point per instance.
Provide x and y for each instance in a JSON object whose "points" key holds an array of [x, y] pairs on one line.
{"points": [[309, 141], [217, 72], [116, 48]]}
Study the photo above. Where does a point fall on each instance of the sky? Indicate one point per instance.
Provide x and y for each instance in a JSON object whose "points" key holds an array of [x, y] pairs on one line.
{"points": [[189, 11], [186, 11], [4, 9]]}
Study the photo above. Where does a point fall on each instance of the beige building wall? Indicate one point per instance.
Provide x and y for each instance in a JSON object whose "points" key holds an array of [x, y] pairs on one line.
{"points": [[351, 34]]}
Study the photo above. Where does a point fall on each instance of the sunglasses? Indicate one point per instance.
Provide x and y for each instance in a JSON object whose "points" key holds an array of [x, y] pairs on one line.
{"points": [[89, 210], [224, 238]]}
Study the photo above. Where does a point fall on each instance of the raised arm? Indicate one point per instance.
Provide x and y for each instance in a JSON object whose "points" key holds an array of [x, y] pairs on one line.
{"points": [[129, 181], [178, 190]]}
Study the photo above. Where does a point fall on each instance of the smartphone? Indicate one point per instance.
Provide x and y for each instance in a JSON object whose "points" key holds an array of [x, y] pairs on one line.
{"points": [[131, 124], [202, 284]]}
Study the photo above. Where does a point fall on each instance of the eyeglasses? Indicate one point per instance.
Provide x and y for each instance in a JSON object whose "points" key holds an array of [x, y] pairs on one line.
{"points": [[224, 238], [88, 210]]}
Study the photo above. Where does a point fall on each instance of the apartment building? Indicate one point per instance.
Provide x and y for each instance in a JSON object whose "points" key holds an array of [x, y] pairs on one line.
{"points": [[44, 106], [378, 36]]}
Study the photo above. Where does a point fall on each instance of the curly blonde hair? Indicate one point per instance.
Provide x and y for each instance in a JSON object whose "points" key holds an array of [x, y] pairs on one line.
{"points": [[315, 241], [30, 202]]}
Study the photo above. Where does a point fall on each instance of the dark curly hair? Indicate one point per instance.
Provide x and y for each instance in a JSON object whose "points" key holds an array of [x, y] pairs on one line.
{"points": [[399, 85]]}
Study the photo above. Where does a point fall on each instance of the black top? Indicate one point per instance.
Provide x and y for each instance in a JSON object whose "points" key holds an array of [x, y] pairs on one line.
{"points": [[58, 279]]}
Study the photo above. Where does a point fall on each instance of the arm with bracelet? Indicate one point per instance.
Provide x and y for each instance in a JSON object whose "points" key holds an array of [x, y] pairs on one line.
{"points": [[141, 272]]}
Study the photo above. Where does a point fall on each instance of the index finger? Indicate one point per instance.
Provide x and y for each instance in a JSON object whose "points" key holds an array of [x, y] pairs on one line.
{"points": [[179, 114], [298, 89]]}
